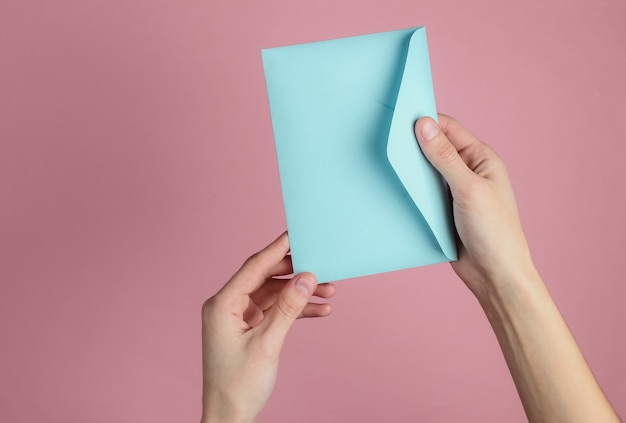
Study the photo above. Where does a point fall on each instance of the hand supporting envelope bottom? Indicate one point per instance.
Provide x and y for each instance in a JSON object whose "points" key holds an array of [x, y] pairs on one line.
{"points": [[245, 323]]}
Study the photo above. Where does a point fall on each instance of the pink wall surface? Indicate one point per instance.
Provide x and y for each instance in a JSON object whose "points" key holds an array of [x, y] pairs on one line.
{"points": [[137, 171]]}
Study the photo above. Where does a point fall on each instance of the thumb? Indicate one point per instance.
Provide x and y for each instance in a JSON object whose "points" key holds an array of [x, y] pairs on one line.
{"points": [[441, 153], [289, 305]]}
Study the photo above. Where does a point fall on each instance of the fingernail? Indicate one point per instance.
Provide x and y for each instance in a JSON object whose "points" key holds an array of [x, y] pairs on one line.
{"points": [[429, 130], [305, 284]]}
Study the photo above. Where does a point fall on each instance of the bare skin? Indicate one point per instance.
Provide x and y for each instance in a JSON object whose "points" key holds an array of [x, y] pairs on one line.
{"points": [[245, 323]]}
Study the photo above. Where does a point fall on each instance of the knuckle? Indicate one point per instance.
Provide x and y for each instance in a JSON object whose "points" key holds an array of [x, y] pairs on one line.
{"points": [[288, 307], [255, 263], [207, 306], [484, 161], [497, 160], [210, 309], [252, 260], [445, 121], [446, 151], [478, 158], [483, 151], [474, 193]]}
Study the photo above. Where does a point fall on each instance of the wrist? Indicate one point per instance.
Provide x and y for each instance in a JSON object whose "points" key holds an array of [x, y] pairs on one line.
{"points": [[223, 417], [219, 411], [508, 293]]}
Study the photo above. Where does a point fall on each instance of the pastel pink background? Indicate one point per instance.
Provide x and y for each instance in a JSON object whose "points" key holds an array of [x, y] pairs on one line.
{"points": [[137, 171]]}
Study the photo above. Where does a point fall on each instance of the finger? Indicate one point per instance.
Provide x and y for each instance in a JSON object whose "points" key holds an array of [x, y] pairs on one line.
{"points": [[477, 155], [315, 310], [258, 267], [290, 304], [325, 290], [282, 268], [267, 294], [441, 153], [253, 314], [458, 135]]}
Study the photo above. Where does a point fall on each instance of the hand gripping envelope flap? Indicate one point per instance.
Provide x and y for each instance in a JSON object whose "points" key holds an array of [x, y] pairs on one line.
{"points": [[360, 198]]}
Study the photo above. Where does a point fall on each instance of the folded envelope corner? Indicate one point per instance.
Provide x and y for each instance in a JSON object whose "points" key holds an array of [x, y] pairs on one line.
{"points": [[423, 183]]}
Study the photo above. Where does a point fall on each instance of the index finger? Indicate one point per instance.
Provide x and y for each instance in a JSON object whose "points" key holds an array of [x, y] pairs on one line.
{"points": [[458, 135], [258, 268], [472, 150]]}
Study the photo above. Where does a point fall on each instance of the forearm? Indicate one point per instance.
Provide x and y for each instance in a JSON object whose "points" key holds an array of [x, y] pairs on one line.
{"points": [[216, 412], [552, 378]]}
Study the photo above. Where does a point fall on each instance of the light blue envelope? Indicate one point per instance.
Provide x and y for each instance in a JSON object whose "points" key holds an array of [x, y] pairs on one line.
{"points": [[360, 197]]}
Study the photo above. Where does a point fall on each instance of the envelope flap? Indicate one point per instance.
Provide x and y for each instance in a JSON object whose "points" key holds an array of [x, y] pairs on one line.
{"points": [[423, 183]]}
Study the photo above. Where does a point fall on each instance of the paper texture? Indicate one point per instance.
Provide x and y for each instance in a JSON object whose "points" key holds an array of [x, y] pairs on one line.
{"points": [[360, 198]]}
